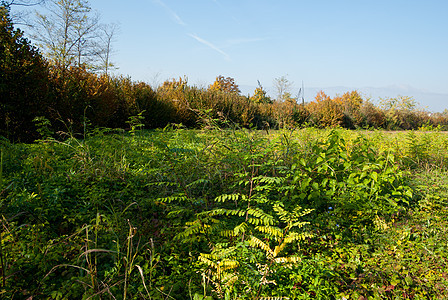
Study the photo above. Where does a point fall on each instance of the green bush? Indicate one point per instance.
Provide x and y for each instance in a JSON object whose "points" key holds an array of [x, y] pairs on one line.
{"points": [[23, 83]]}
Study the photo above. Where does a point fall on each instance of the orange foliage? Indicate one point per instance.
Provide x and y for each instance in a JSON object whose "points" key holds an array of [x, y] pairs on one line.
{"points": [[325, 111], [350, 103], [226, 85], [177, 93]]}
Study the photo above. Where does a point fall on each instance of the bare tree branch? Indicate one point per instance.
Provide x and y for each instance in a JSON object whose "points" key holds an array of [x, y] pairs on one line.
{"points": [[71, 35]]}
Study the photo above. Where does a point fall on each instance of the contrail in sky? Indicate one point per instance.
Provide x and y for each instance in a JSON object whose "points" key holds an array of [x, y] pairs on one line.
{"points": [[179, 21], [173, 14], [210, 45]]}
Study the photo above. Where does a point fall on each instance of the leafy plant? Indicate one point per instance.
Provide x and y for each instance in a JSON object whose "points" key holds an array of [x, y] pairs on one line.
{"points": [[245, 266], [136, 123], [43, 127]]}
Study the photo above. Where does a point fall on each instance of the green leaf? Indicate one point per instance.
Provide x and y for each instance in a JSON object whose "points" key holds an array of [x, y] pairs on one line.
{"points": [[408, 280], [395, 281]]}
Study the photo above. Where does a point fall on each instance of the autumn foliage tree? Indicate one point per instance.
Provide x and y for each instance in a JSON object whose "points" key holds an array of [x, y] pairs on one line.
{"points": [[226, 85], [326, 112], [260, 95], [350, 104]]}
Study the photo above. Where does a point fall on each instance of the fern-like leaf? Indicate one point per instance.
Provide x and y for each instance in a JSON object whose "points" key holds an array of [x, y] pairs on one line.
{"points": [[287, 260], [206, 259], [271, 231], [173, 198], [230, 197], [239, 229], [228, 264], [258, 213], [256, 242], [198, 182]]}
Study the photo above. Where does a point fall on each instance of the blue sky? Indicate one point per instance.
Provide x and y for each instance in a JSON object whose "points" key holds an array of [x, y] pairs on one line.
{"points": [[325, 43]]}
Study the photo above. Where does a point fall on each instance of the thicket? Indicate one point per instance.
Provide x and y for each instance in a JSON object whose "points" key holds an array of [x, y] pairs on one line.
{"points": [[24, 82]]}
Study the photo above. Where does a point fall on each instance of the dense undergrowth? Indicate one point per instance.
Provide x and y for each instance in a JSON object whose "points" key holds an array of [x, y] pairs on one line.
{"points": [[225, 214]]}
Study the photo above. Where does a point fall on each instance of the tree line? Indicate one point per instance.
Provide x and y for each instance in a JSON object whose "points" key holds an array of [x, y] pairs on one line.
{"points": [[65, 84]]}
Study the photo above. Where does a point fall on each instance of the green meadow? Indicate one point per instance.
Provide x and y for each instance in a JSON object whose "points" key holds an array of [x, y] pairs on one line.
{"points": [[225, 214]]}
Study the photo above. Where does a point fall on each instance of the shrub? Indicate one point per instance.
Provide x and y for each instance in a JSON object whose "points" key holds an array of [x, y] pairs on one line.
{"points": [[351, 103], [325, 112], [179, 95], [23, 83], [372, 116]]}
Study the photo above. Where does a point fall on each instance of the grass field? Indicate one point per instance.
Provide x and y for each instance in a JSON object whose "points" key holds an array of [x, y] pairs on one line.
{"points": [[226, 214]]}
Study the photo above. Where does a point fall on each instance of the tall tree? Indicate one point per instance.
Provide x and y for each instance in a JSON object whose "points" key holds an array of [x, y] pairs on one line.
{"points": [[225, 84], [104, 47], [68, 33], [283, 88]]}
